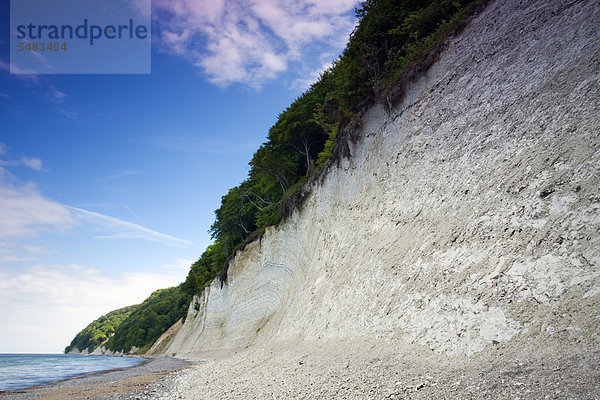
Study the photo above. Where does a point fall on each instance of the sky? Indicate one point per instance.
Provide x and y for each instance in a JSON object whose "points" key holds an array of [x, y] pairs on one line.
{"points": [[108, 183]]}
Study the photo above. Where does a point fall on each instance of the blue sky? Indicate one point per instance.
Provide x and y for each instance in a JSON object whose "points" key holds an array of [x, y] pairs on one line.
{"points": [[108, 183]]}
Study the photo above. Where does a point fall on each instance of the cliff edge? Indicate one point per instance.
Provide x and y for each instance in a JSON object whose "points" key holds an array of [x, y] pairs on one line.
{"points": [[466, 220]]}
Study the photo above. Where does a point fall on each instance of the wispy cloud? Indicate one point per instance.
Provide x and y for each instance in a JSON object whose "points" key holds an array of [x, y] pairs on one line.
{"points": [[19, 73], [115, 228], [252, 42], [57, 96], [53, 94], [24, 209], [26, 212], [131, 211], [7, 161], [13, 252], [30, 162], [8, 255], [69, 114]]}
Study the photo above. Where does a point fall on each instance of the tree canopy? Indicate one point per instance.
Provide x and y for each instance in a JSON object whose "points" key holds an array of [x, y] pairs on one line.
{"points": [[98, 332], [149, 320]]}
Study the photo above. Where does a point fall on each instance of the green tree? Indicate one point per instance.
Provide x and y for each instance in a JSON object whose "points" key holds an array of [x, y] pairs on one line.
{"points": [[149, 320], [97, 332]]}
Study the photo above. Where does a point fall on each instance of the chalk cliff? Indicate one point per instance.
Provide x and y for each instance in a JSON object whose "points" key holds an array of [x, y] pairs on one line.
{"points": [[467, 216]]}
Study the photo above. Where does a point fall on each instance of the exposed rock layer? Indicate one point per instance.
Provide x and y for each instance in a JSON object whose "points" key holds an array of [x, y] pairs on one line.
{"points": [[467, 217]]}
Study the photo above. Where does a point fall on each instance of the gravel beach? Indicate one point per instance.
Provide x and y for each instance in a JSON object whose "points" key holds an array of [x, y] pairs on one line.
{"points": [[379, 369], [119, 384]]}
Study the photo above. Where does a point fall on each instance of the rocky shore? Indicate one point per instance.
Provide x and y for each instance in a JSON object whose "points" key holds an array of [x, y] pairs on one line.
{"points": [[119, 384]]}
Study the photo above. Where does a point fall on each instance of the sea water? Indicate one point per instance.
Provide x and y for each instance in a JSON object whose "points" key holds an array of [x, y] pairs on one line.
{"points": [[18, 371]]}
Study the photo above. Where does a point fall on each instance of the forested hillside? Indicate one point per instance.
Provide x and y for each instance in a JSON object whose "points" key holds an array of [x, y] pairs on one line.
{"points": [[98, 332], [149, 320]]}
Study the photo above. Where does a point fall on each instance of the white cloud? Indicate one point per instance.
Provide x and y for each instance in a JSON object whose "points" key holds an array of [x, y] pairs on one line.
{"points": [[8, 256], [115, 228], [33, 163], [56, 95], [251, 42], [43, 307], [13, 252], [26, 212]]}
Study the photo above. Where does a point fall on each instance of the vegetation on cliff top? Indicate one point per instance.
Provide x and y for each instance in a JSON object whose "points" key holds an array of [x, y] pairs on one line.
{"points": [[98, 332], [394, 42]]}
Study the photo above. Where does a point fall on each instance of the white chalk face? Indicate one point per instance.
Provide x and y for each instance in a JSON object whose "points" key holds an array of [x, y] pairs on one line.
{"points": [[80, 37], [465, 217]]}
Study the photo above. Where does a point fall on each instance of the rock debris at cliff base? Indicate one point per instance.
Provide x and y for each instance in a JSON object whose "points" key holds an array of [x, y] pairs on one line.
{"points": [[367, 369]]}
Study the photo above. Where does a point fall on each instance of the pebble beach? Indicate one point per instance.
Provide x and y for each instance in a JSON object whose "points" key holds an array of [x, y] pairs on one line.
{"points": [[119, 384]]}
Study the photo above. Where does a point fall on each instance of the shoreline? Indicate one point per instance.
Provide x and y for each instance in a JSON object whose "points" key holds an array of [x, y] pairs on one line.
{"points": [[119, 383]]}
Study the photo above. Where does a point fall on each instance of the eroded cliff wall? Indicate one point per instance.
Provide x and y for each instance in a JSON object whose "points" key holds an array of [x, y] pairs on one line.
{"points": [[468, 216]]}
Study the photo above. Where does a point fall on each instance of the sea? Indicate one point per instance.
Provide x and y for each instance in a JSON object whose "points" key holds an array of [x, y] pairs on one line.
{"points": [[18, 371]]}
